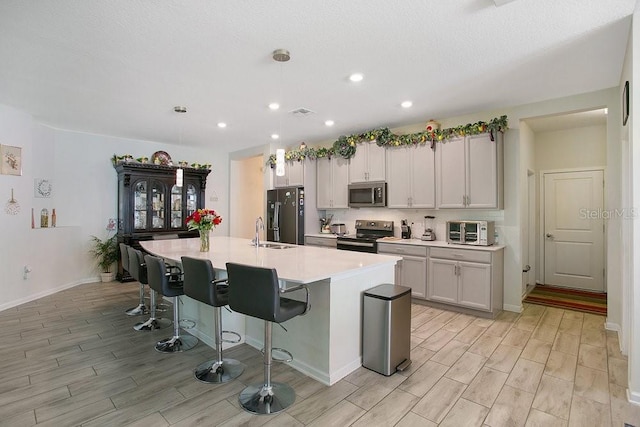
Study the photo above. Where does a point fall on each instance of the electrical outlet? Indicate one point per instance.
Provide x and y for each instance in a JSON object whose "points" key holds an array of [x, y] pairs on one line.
{"points": [[213, 198]]}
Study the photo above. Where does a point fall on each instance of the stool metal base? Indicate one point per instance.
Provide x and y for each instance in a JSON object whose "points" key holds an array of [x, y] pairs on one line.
{"points": [[260, 400], [176, 344], [152, 324], [214, 372], [137, 310]]}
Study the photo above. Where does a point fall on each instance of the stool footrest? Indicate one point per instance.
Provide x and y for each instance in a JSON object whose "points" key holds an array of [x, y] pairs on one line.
{"points": [[231, 341], [288, 359]]}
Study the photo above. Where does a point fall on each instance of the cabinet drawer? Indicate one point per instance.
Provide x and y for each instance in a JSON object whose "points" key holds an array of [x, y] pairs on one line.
{"points": [[397, 249], [321, 241], [461, 255]]}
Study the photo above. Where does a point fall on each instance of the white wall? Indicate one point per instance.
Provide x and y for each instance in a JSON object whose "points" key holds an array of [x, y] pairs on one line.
{"points": [[527, 163], [84, 196], [571, 148]]}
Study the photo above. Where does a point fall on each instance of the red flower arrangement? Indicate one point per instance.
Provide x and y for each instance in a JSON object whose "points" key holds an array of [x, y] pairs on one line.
{"points": [[203, 219]]}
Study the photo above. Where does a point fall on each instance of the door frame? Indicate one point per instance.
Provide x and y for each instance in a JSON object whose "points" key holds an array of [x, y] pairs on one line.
{"points": [[540, 236]]}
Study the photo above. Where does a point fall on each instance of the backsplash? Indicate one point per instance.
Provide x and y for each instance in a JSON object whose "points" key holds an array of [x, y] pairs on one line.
{"points": [[415, 217]]}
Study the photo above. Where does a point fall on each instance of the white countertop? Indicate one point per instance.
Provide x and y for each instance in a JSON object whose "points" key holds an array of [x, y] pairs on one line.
{"points": [[299, 264], [438, 244]]}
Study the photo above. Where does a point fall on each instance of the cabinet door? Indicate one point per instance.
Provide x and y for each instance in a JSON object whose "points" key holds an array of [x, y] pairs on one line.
{"points": [[324, 183], [158, 195], [450, 174], [358, 165], [293, 175], [377, 161], [340, 171], [176, 207], [192, 201], [398, 188], [482, 175], [422, 176], [443, 281], [474, 285], [140, 205], [414, 275]]}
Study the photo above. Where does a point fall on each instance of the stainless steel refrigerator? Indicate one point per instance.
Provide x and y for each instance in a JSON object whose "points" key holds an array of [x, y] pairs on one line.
{"points": [[285, 215]]}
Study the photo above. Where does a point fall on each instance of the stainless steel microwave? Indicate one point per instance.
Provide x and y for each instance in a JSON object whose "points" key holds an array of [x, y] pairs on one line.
{"points": [[368, 194], [479, 233]]}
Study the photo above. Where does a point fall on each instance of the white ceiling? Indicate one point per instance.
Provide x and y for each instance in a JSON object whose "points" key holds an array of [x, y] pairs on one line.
{"points": [[119, 67]]}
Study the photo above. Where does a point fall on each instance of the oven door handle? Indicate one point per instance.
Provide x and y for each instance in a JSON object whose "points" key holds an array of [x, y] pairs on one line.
{"points": [[362, 244]]}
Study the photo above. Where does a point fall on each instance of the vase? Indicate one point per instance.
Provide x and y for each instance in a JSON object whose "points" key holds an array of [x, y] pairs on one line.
{"points": [[204, 240]]}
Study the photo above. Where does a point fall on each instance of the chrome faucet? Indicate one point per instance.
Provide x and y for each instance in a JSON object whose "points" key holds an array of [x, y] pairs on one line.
{"points": [[259, 226]]}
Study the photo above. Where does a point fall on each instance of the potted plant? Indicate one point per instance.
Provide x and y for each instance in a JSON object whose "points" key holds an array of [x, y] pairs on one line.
{"points": [[106, 252]]}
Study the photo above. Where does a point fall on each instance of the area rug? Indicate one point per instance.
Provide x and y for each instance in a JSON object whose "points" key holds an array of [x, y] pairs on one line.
{"points": [[572, 299]]}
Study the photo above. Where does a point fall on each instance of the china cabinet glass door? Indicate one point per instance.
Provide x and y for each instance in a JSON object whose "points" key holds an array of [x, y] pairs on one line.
{"points": [[140, 205], [157, 205], [176, 207], [192, 199]]}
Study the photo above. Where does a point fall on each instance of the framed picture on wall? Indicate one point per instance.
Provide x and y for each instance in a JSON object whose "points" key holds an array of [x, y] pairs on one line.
{"points": [[11, 160], [625, 103]]}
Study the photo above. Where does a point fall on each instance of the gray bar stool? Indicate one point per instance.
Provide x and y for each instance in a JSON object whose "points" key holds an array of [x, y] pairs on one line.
{"points": [[200, 284], [138, 270], [141, 308], [255, 291], [159, 280]]}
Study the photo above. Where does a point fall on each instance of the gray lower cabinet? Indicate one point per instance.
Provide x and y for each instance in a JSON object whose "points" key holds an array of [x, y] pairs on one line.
{"points": [[412, 271], [328, 242], [467, 278]]}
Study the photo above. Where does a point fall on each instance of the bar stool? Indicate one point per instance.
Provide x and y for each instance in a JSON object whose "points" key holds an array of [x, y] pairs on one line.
{"points": [[159, 281], [141, 308], [255, 291], [138, 270], [200, 284]]}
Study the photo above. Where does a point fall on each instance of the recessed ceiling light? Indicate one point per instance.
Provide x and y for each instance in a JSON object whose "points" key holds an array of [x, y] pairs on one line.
{"points": [[274, 106], [606, 111], [222, 125], [275, 136], [356, 77], [407, 104], [329, 123]]}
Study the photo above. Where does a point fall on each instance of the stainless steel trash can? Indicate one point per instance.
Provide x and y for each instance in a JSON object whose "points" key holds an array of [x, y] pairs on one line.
{"points": [[386, 328]]}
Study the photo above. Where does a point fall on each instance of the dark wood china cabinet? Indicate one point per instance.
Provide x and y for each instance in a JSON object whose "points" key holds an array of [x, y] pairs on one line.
{"points": [[152, 206]]}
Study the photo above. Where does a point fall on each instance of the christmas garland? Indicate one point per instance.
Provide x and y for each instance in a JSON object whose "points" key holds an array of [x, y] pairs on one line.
{"points": [[345, 146]]}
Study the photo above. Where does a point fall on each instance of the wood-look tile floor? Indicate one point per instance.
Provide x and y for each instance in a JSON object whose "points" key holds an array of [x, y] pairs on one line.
{"points": [[73, 359]]}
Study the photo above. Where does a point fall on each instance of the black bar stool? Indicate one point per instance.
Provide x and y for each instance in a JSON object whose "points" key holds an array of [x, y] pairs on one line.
{"points": [[138, 270], [200, 284], [141, 308], [159, 280], [255, 291]]}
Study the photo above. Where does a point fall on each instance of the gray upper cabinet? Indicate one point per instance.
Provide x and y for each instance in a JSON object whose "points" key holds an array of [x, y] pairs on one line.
{"points": [[469, 172], [332, 181], [293, 175], [368, 164], [411, 177]]}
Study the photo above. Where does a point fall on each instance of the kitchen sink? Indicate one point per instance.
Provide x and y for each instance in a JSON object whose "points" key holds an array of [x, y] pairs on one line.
{"points": [[274, 246]]}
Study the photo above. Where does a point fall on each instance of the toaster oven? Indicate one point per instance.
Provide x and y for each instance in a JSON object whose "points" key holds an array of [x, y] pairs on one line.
{"points": [[479, 233]]}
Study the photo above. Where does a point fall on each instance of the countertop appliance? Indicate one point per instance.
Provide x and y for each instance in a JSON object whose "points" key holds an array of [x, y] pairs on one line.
{"points": [[339, 229], [405, 230], [367, 232], [429, 233], [368, 195], [285, 215], [479, 233]]}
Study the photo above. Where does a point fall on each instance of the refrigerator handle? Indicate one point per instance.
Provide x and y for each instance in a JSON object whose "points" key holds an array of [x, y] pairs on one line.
{"points": [[276, 222]]}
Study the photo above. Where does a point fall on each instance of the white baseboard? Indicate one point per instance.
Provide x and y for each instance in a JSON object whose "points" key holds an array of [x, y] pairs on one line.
{"points": [[633, 397], [610, 326], [47, 292], [512, 307]]}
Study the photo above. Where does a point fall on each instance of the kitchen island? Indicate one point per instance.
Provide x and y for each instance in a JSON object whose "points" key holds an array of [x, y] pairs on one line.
{"points": [[325, 342]]}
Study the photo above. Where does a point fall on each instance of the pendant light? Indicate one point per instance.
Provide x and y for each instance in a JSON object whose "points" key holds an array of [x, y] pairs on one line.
{"points": [[180, 171], [280, 55]]}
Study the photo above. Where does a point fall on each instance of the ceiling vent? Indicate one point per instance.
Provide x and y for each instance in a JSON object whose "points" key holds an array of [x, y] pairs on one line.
{"points": [[301, 112]]}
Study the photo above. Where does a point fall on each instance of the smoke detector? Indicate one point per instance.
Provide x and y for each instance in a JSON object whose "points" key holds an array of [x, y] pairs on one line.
{"points": [[281, 55], [179, 109]]}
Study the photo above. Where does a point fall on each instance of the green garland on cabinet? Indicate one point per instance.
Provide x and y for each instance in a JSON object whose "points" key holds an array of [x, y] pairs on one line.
{"points": [[345, 146]]}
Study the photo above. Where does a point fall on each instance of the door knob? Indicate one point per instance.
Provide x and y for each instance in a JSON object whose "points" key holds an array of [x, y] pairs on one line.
{"points": [[549, 236]]}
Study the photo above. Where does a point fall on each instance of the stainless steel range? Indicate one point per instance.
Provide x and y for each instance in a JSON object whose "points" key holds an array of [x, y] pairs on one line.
{"points": [[367, 232]]}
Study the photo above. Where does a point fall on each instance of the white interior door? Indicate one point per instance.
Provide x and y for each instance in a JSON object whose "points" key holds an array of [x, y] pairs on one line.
{"points": [[573, 230]]}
